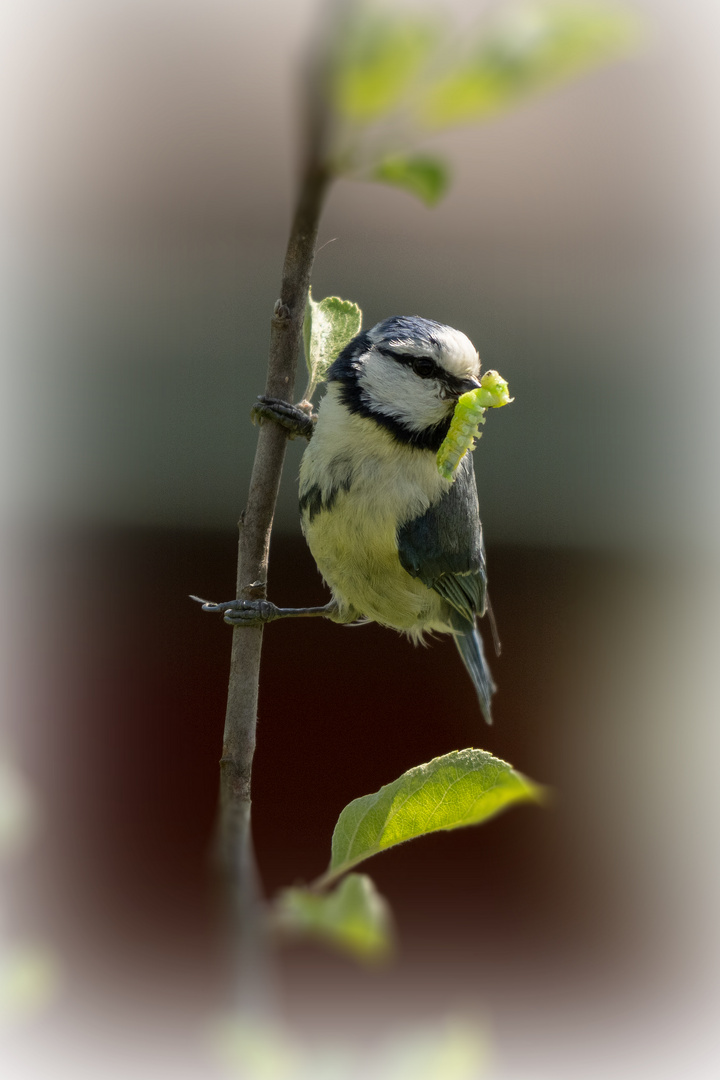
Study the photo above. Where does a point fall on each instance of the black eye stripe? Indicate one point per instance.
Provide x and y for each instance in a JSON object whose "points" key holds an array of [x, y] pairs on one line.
{"points": [[429, 369], [454, 384]]}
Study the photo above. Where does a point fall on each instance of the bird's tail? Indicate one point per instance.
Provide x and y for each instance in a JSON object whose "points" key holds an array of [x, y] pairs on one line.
{"points": [[470, 647]]}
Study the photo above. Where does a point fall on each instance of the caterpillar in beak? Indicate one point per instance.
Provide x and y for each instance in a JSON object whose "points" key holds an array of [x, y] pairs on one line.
{"points": [[469, 415]]}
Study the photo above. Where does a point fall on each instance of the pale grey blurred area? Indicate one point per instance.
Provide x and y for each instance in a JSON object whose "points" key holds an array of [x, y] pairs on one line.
{"points": [[149, 196]]}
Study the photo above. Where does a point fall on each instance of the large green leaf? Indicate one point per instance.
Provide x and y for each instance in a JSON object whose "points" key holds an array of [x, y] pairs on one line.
{"points": [[378, 57], [422, 175], [353, 918], [465, 787], [529, 48], [328, 327]]}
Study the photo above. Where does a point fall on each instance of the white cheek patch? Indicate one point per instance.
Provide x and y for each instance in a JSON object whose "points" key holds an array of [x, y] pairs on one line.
{"points": [[393, 389]]}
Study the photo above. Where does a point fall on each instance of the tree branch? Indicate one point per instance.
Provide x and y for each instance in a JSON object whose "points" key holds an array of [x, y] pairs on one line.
{"points": [[234, 843]]}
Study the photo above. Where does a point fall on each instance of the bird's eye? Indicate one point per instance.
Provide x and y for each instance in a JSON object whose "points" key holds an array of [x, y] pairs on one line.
{"points": [[423, 366]]}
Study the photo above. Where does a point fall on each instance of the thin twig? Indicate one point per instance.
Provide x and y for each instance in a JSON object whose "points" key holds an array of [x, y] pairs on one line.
{"points": [[234, 846]]}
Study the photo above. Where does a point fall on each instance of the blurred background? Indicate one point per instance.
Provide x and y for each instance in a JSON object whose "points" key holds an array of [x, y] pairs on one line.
{"points": [[151, 152]]}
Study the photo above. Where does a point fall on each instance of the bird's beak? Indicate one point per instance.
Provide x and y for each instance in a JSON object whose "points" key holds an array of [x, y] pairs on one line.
{"points": [[467, 384]]}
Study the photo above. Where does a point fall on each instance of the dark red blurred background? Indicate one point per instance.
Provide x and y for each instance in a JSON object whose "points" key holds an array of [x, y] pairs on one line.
{"points": [[535, 909]]}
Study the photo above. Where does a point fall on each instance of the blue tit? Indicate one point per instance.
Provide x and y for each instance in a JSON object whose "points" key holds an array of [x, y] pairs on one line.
{"points": [[396, 543]]}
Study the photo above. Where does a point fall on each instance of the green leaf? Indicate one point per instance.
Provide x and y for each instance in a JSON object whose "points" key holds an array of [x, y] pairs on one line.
{"points": [[530, 48], [426, 177], [353, 918], [328, 327], [466, 787], [379, 56]]}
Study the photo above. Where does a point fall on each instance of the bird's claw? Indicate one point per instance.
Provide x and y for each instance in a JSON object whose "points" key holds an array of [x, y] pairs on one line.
{"points": [[241, 612], [295, 419]]}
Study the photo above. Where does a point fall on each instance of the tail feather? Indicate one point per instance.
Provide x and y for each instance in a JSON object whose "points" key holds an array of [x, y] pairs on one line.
{"points": [[470, 647]]}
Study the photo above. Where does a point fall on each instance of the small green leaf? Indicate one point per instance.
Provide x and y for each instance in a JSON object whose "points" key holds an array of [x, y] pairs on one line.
{"points": [[530, 48], [426, 177], [328, 327], [377, 61], [353, 918], [466, 787]]}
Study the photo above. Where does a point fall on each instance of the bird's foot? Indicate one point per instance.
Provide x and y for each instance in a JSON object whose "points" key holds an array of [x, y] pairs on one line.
{"points": [[242, 612], [296, 420]]}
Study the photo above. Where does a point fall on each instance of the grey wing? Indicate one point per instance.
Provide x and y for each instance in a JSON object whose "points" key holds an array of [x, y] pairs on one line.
{"points": [[444, 547]]}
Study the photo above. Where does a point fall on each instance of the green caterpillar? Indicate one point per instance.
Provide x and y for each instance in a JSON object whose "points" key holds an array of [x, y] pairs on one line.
{"points": [[468, 416]]}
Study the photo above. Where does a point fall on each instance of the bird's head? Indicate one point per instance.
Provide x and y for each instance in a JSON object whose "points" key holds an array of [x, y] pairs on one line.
{"points": [[407, 373]]}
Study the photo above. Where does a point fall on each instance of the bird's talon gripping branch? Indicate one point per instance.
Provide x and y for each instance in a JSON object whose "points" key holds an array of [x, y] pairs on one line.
{"points": [[258, 612], [249, 612], [241, 612], [294, 419]]}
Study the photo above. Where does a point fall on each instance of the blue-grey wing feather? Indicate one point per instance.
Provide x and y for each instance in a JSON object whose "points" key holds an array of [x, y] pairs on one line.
{"points": [[444, 547]]}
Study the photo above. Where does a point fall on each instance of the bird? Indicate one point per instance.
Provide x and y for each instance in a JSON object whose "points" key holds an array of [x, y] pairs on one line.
{"points": [[396, 543]]}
